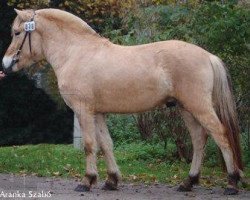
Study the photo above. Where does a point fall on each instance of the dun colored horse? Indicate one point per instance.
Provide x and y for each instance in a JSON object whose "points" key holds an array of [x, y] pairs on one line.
{"points": [[96, 77]]}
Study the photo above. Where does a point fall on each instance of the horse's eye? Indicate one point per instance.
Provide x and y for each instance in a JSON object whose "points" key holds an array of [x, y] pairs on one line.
{"points": [[17, 33]]}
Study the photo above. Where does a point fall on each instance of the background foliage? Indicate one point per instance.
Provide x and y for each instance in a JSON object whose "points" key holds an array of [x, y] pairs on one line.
{"points": [[221, 27]]}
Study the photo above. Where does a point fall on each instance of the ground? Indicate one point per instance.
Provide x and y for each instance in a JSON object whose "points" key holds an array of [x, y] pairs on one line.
{"points": [[63, 189], [58, 168]]}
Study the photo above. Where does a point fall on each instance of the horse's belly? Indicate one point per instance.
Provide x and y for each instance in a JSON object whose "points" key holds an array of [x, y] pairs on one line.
{"points": [[130, 91], [130, 105], [131, 99]]}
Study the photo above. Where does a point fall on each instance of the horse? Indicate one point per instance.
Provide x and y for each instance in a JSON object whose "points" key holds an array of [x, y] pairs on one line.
{"points": [[96, 77]]}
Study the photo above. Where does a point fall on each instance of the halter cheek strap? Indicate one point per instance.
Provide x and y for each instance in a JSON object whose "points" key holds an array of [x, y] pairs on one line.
{"points": [[28, 28]]}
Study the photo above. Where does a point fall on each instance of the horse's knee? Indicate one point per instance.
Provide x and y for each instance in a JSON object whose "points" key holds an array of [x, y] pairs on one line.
{"points": [[90, 151], [89, 146]]}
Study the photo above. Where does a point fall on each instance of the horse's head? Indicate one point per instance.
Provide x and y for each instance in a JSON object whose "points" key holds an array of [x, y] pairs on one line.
{"points": [[26, 46]]}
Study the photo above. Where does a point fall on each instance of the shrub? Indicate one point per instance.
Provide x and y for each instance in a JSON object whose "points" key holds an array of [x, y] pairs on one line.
{"points": [[122, 129]]}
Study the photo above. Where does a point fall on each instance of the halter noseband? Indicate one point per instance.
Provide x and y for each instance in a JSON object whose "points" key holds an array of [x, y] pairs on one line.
{"points": [[28, 28]]}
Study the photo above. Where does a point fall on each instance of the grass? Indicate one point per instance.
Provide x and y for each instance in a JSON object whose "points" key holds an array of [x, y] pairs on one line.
{"points": [[65, 161]]}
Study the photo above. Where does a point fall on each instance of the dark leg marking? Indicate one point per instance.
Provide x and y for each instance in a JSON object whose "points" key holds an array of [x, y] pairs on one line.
{"points": [[188, 183], [85, 188], [232, 184], [92, 178], [82, 188], [112, 182]]}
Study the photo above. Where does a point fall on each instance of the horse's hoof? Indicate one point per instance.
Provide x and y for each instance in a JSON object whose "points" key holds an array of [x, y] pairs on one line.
{"points": [[82, 188], [183, 188], [109, 186], [231, 191]]}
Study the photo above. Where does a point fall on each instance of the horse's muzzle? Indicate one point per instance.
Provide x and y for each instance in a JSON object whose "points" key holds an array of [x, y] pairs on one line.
{"points": [[9, 69]]}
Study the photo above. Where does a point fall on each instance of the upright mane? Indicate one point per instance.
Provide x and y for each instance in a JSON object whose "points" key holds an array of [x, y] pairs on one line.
{"points": [[66, 20]]}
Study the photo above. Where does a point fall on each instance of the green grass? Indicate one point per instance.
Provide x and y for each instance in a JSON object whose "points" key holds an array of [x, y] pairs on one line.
{"points": [[65, 161]]}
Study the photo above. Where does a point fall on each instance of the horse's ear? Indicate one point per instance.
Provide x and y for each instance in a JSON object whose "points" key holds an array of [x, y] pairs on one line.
{"points": [[23, 14]]}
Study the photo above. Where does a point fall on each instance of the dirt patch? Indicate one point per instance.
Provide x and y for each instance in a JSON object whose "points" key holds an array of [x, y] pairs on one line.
{"points": [[33, 187]]}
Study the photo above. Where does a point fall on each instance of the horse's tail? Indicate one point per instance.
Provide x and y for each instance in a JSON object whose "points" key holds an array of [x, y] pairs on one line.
{"points": [[226, 108]]}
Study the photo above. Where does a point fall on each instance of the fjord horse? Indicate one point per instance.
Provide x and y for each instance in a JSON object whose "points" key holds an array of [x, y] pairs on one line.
{"points": [[96, 77]]}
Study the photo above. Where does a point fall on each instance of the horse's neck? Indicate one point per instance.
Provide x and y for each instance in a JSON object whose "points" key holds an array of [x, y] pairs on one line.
{"points": [[60, 47]]}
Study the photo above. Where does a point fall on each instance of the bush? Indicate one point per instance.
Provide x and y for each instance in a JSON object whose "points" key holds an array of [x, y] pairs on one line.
{"points": [[122, 129], [147, 151]]}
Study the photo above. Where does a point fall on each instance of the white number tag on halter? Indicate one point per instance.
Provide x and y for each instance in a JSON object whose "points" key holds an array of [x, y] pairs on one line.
{"points": [[29, 26]]}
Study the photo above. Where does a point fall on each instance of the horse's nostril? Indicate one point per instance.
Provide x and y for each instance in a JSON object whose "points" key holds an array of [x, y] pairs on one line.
{"points": [[7, 70]]}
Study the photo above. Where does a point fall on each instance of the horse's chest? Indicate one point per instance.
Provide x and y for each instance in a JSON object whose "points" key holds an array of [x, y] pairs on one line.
{"points": [[68, 93], [76, 95]]}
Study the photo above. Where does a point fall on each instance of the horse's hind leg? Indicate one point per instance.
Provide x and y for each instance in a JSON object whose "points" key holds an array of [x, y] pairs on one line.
{"points": [[87, 124], [106, 145], [199, 138], [204, 113]]}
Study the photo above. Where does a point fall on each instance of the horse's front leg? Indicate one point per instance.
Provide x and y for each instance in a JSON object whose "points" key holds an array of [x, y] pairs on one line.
{"points": [[87, 124], [105, 142]]}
